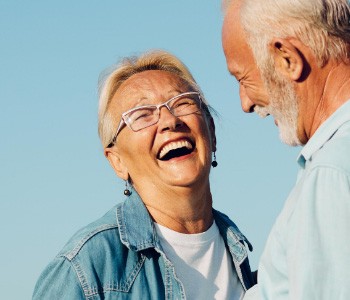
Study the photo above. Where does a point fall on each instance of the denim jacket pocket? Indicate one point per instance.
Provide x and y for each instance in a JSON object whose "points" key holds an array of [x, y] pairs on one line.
{"points": [[104, 264], [121, 281]]}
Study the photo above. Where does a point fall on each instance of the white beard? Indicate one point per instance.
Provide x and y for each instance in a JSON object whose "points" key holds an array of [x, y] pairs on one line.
{"points": [[283, 107]]}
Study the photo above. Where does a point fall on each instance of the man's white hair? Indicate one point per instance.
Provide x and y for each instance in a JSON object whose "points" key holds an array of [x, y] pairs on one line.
{"points": [[322, 25]]}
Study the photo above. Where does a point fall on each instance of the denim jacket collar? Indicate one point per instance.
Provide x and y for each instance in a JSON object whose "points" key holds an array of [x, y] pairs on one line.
{"points": [[137, 231], [135, 224], [232, 237]]}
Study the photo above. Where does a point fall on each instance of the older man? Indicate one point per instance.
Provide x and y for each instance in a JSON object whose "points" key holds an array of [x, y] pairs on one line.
{"points": [[292, 61]]}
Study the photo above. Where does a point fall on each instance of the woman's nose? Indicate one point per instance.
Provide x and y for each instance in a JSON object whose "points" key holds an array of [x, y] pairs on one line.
{"points": [[167, 121]]}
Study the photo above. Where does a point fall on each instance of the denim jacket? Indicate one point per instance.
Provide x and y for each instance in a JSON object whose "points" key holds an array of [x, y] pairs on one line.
{"points": [[119, 256]]}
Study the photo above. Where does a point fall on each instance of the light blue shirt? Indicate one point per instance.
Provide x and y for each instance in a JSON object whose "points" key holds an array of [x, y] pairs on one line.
{"points": [[307, 255]]}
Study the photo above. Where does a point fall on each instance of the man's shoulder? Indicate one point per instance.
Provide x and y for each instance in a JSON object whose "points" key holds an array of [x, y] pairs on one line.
{"points": [[336, 152], [101, 233]]}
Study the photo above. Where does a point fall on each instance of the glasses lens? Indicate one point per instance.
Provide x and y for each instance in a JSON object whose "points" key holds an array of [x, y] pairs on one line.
{"points": [[185, 105], [141, 118], [146, 116]]}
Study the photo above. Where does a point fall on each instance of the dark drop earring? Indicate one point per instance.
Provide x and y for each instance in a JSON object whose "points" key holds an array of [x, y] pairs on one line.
{"points": [[127, 191], [214, 163]]}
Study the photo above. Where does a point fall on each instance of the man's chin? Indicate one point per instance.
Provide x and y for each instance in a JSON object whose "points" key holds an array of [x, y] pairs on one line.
{"points": [[288, 135]]}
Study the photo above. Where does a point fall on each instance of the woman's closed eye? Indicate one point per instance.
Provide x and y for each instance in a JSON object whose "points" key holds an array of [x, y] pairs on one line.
{"points": [[142, 114]]}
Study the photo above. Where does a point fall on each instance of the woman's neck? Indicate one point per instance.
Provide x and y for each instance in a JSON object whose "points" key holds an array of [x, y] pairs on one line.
{"points": [[182, 209]]}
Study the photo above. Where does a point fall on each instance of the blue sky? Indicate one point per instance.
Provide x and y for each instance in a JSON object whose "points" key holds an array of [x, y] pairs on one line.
{"points": [[54, 177]]}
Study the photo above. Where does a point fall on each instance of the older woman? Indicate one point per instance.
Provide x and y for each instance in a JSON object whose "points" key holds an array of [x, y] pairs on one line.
{"points": [[165, 241]]}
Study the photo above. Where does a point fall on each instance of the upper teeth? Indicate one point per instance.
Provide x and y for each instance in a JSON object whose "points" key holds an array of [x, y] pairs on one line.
{"points": [[174, 145]]}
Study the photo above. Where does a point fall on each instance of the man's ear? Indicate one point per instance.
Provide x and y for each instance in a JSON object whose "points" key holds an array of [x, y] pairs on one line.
{"points": [[288, 59], [212, 133], [116, 162]]}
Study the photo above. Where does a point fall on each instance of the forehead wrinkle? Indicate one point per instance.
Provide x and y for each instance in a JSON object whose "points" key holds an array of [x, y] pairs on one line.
{"points": [[141, 88]]}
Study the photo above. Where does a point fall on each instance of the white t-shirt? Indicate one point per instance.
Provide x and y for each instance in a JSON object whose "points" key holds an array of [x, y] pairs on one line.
{"points": [[202, 263]]}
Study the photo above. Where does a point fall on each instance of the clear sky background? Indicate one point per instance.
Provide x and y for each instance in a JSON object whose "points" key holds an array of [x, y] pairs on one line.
{"points": [[54, 178]]}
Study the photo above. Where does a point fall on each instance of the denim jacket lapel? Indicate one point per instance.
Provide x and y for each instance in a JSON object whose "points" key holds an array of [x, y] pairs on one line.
{"points": [[135, 224]]}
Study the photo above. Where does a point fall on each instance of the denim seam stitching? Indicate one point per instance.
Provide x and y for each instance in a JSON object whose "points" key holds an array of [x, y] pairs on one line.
{"points": [[241, 254], [136, 271], [89, 292], [82, 278], [121, 225], [169, 267], [72, 253]]}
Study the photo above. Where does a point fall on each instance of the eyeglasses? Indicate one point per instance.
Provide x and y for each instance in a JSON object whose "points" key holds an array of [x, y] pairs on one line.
{"points": [[147, 115]]}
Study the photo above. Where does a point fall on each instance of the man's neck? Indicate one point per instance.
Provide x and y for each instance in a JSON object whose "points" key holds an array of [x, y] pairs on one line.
{"points": [[335, 92]]}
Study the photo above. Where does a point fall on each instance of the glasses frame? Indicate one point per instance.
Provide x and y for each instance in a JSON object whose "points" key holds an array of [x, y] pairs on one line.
{"points": [[157, 107]]}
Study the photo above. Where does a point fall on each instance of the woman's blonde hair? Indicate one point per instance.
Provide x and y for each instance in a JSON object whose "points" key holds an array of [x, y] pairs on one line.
{"points": [[111, 80]]}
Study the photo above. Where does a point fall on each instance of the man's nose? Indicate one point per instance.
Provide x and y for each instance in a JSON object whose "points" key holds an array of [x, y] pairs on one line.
{"points": [[246, 103]]}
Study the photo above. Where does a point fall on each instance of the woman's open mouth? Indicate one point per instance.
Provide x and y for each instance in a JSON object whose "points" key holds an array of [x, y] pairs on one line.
{"points": [[175, 149]]}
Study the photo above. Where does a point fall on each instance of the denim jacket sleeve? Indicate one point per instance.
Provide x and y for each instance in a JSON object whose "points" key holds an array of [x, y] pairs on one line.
{"points": [[58, 281]]}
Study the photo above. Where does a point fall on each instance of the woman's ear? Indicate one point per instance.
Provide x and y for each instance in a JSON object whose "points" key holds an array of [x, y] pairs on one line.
{"points": [[212, 133], [288, 58], [116, 162]]}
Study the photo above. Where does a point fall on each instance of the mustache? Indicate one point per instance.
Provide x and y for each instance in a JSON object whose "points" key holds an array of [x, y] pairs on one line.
{"points": [[261, 111]]}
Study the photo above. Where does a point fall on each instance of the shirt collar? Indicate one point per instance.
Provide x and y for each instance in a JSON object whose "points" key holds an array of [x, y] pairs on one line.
{"points": [[324, 133], [135, 224], [137, 231]]}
